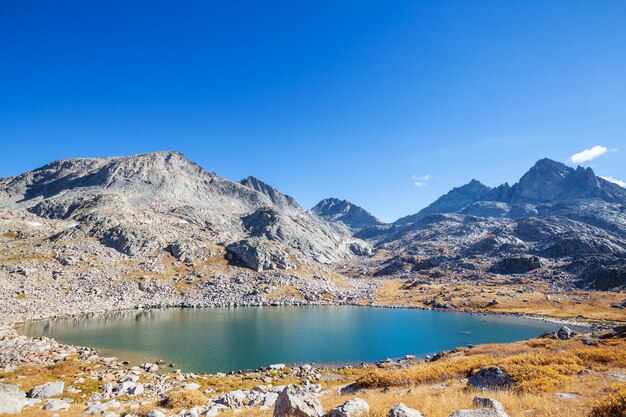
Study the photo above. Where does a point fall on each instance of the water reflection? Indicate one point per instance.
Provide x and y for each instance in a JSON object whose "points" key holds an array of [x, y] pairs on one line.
{"points": [[224, 339]]}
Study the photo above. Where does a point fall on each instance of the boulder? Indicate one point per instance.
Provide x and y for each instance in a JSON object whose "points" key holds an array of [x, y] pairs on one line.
{"points": [[56, 405], [155, 413], [491, 378], [12, 399], [351, 408], [401, 410], [46, 390], [564, 333], [233, 399], [296, 401], [487, 403]]}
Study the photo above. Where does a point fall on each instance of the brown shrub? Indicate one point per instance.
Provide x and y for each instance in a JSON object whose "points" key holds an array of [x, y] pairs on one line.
{"points": [[613, 405]]}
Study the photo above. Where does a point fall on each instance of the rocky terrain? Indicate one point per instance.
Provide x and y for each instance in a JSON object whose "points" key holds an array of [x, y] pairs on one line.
{"points": [[155, 230], [559, 225], [342, 211], [97, 234]]}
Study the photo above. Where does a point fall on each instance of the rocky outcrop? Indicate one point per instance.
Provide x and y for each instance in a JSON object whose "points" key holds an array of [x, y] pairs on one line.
{"points": [[296, 401], [12, 399], [490, 378], [516, 265], [49, 389]]}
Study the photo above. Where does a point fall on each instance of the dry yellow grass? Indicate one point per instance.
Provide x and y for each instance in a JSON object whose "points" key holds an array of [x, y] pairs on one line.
{"points": [[536, 299], [184, 399], [612, 405], [537, 366]]}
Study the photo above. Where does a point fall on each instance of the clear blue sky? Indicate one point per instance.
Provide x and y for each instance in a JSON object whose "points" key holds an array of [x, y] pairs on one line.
{"points": [[353, 99]]}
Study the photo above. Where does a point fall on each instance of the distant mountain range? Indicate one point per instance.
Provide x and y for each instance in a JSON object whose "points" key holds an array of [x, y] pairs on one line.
{"points": [[562, 225]]}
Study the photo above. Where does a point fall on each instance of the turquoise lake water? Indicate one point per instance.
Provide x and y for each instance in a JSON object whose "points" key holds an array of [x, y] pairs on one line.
{"points": [[227, 339]]}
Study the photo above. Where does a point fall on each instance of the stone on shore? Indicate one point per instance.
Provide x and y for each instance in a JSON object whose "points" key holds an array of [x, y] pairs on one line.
{"points": [[564, 333], [401, 410], [296, 401]]}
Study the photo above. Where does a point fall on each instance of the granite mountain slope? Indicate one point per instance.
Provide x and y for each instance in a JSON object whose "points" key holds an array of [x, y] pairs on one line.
{"points": [[353, 216], [557, 224], [145, 204]]}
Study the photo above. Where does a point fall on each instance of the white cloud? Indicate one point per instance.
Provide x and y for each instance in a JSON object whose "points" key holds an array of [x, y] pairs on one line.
{"points": [[588, 154], [420, 180], [615, 181]]}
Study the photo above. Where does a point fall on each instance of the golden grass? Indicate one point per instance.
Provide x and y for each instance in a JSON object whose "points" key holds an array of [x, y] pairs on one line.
{"points": [[184, 399], [590, 306], [536, 366], [612, 405]]}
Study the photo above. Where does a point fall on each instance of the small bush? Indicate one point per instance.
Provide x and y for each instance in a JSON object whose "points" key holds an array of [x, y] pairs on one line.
{"points": [[613, 405], [184, 399]]}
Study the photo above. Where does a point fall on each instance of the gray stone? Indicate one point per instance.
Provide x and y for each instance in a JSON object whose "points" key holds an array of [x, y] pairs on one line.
{"points": [[487, 403], [355, 407], [401, 410], [296, 401], [12, 399], [490, 378], [49, 389], [56, 405], [564, 333]]}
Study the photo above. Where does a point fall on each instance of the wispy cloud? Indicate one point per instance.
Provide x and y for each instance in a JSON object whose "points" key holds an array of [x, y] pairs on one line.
{"points": [[588, 154], [615, 181], [420, 180]]}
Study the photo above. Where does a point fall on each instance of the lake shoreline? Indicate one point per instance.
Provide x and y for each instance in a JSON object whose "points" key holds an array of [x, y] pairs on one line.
{"points": [[141, 357]]}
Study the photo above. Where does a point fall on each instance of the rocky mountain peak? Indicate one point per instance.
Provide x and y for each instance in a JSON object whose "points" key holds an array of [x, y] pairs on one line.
{"points": [[352, 215], [279, 199]]}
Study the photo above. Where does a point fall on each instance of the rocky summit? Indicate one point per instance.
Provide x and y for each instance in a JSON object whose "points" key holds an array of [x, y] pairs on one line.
{"points": [[353, 216], [558, 224]]}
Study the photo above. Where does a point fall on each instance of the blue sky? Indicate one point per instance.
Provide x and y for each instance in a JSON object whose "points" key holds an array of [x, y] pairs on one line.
{"points": [[354, 99]]}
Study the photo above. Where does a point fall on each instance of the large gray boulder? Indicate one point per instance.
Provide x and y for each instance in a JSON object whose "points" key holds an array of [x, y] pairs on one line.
{"points": [[355, 407], [490, 378], [402, 410], [49, 389], [564, 333], [12, 399], [296, 401]]}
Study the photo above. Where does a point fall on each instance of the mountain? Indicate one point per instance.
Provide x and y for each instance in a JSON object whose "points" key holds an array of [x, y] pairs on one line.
{"points": [[149, 204], [280, 200], [558, 224], [163, 219], [548, 182], [353, 216]]}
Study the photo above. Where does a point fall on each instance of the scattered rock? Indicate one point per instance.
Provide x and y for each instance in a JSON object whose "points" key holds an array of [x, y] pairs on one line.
{"points": [[46, 390], [564, 333], [491, 378], [401, 410], [296, 401], [12, 399], [56, 405], [351, 408]]}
